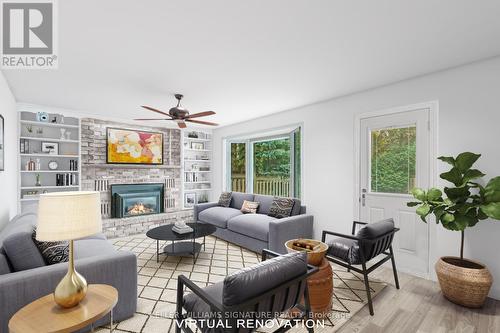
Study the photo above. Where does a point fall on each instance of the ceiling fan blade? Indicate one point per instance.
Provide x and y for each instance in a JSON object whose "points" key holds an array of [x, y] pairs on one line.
{"points": [[201, 114], [155, 110], [202, 122], [153, 119], [181, 124]]}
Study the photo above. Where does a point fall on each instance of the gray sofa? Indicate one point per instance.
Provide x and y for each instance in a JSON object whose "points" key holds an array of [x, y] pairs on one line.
{"points": [[24, 276], [255, 231]]}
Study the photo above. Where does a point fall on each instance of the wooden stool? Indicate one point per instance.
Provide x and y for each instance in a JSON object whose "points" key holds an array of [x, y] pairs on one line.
{"points": [[320, 286]]}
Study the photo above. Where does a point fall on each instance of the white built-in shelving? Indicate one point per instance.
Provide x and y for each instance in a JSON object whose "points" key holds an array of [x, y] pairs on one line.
{"points": [[60, 130], [47, 124], [197, 166]]}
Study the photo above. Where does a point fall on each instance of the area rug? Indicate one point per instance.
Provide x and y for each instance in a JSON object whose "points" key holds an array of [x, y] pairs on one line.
{"points": [[157, 283]]}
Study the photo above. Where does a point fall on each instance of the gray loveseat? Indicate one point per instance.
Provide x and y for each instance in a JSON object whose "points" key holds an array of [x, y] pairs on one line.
{"points": [[24, 277], [255, 231]]}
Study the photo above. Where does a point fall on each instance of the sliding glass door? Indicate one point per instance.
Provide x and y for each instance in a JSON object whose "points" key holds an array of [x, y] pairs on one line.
{"points": [[266, 165]]}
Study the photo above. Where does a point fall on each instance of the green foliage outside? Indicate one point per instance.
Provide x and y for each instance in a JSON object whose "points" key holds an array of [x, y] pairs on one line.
{"points": [[272, 158], [238, 158], [393, 154], [271, 162]]}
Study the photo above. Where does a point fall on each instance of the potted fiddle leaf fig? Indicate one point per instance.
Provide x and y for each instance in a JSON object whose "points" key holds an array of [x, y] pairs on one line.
{"points": [[462, 205]]}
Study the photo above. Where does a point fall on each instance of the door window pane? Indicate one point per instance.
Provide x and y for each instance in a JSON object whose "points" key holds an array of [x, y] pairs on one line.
{"points": [[393, 152], [238, 167], [271, 167]]}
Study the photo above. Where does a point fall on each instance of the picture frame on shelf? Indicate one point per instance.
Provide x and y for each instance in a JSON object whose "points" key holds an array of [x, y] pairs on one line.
{"points": [[51, 148], [189, 199], [197, 145], [203, 198]]}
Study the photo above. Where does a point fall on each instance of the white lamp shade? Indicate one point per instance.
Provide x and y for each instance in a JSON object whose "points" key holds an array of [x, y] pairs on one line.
{"points": [[68, 215]]}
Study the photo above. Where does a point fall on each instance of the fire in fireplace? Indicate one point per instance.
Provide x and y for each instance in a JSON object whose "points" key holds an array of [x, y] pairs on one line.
{"points": [[140, 209], [136, 199]]}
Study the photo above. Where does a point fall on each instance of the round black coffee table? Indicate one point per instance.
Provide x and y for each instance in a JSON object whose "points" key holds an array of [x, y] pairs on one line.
{"points": [[183, 247]]}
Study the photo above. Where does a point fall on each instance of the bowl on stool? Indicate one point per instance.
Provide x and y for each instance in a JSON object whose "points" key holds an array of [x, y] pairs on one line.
{"points": [[314, 256]]}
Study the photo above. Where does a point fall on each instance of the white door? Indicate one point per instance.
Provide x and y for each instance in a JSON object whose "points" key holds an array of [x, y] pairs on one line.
{"points": [[394, 158]]}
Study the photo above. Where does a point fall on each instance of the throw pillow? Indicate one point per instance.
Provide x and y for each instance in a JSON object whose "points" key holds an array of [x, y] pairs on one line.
{"points": [[52, 252], [225, 199], [249, 207], [281, 207]]}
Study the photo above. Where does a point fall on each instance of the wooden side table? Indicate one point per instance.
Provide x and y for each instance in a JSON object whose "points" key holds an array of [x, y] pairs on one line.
{"points": [[44, 315], [320, 285]]}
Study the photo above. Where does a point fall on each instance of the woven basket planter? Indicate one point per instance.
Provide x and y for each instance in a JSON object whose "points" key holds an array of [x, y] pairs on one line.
{"points": [[464, 282]]}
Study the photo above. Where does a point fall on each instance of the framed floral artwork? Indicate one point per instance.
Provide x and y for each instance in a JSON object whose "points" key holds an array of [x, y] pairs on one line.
{"points": [[126, 146]]}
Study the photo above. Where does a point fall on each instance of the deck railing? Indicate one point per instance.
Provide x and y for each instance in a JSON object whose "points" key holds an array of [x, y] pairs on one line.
{"points": [[277, 186]]}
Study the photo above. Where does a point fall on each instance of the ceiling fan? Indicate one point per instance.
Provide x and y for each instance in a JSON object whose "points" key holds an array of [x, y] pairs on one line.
{"points": [[180, 115]]}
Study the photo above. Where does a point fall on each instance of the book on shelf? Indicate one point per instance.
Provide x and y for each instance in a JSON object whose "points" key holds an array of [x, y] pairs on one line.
{"points": [[66, 179], [73, 165], [24, 146]]}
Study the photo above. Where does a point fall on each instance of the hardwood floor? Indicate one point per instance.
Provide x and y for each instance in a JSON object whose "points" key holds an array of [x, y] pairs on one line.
{"points": [[420, 307]]}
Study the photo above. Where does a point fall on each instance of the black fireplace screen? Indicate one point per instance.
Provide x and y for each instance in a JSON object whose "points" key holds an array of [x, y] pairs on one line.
{"points": [[136, 199]]}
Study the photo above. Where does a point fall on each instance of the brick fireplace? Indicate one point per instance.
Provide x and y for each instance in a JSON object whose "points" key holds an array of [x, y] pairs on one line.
{"points": [[102, 177]]}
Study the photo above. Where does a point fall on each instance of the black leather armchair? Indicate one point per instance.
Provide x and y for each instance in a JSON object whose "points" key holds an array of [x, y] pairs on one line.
{"points": [[254, 293], [370, 241]]}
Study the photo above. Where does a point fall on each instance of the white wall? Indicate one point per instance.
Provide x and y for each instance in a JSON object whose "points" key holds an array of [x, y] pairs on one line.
{"points": [[8, 178], [469, 120]]}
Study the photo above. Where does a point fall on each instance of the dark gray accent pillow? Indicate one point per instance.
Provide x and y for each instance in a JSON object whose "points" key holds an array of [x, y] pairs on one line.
{"points": [[281, 207], [225, 199], [52, 252], [22, 252]]}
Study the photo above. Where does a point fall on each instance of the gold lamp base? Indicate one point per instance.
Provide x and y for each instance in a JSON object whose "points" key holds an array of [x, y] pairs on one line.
{"points": [[72, 289]]}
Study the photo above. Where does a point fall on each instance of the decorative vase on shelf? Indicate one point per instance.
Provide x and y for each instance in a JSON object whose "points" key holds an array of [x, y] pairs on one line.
{"points": [[38, 181], [68, 135], [31, 165], [63, 130]]}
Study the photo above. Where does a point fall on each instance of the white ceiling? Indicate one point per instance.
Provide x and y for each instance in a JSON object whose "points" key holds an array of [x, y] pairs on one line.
{"points": [[245, 59]]}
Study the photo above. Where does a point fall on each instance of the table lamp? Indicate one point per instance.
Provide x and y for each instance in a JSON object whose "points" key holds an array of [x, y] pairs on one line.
{"points": [[66, 216]]}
